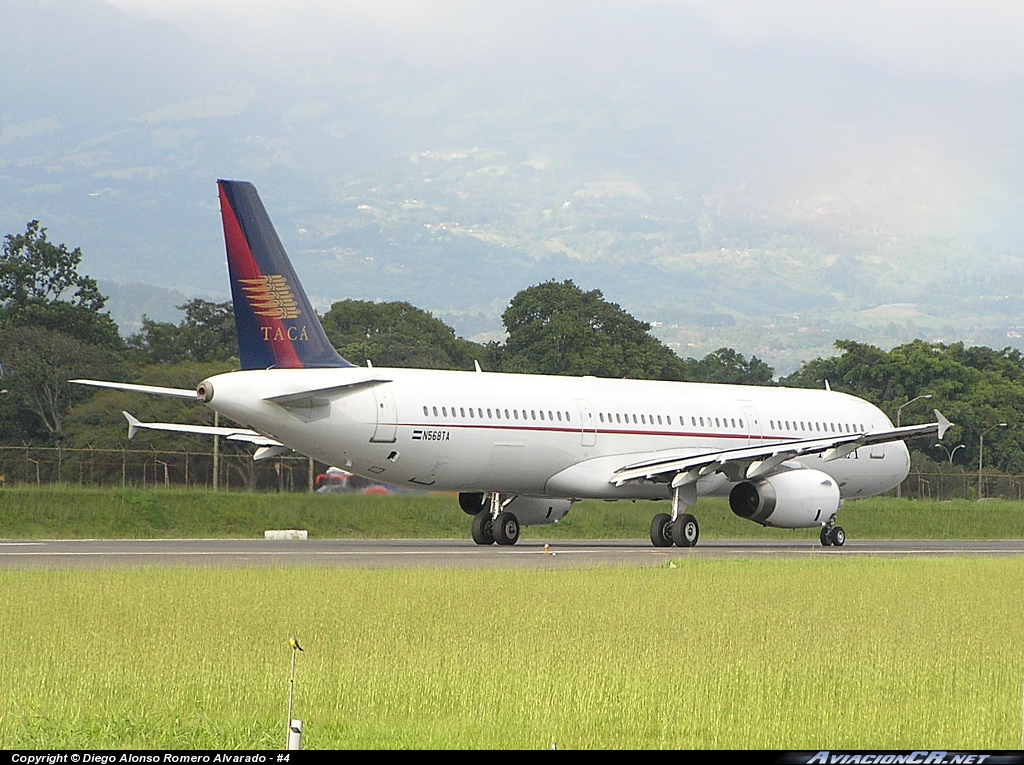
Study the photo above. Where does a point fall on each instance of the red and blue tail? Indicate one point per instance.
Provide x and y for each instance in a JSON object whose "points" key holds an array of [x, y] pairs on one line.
{"points": [[276, 325]]}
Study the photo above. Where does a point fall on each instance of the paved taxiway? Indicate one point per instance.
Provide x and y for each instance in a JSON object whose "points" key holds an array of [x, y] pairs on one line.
{"points": [[77, 554]]}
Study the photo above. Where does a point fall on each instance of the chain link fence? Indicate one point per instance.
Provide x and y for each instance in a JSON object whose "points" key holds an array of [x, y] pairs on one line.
{"points": [[39, 466]]}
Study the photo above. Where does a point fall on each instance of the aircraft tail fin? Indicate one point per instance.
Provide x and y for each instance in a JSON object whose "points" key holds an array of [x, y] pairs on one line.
{"points": [[277, 327]]}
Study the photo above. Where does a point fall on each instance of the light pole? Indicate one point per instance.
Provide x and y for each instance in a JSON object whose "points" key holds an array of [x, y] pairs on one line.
{"points": [[950, 453], [981, 451], [899, 410]]}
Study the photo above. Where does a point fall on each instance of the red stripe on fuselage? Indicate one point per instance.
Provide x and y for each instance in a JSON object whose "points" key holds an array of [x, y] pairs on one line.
{"points": [[243, 266]]}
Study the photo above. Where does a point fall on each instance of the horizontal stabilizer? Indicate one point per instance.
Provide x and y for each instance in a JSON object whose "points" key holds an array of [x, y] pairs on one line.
{"points": [[232, 434], [154, 390]]}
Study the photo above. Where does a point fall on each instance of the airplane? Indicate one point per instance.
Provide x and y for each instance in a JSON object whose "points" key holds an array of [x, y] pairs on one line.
{"points": [[521, 449]]}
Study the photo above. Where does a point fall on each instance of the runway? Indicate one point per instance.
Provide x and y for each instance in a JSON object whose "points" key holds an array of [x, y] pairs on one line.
{"points": [[86, 554]]}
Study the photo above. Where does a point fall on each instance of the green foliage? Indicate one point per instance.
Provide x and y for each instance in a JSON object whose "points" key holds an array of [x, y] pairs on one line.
{"points": [[396, 335], [976, 388], [206, 334], [557, 328], [727, 366], [38, 363], [40, 287]]}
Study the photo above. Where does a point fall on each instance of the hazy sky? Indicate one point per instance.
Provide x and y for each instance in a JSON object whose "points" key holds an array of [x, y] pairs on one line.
{"points": [[974, 40]]}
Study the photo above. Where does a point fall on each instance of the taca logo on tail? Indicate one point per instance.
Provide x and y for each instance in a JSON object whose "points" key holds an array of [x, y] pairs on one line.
{"points": [[276, 325]]}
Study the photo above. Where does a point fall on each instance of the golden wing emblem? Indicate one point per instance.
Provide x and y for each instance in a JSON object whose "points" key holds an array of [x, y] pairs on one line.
{"points": [[270, 296]]}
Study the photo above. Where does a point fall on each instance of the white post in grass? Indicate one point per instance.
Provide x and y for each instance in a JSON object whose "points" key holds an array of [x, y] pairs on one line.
{"points": [[294, 740]]}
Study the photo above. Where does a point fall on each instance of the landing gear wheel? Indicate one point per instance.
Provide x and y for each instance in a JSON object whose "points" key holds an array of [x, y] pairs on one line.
{"points": [[483, 531], [506, 528], [837, 536], [685, 531], [661, 530], [824, 537]]}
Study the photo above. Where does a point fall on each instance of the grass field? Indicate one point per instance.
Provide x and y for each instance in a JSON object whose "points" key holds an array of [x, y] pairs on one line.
{"points": [[71, 512], [790, 654]]}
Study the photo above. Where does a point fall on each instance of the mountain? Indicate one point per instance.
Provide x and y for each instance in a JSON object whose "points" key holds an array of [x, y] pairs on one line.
{"points": [[772, 197]]}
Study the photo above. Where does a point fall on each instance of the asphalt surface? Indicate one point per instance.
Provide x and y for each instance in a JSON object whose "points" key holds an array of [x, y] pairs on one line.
{"points": [[84, 554]]}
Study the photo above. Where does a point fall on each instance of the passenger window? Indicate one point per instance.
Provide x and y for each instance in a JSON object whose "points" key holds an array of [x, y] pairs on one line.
{"points": [[542, 414], [435, 411], [559, 413], [516, 413], [618, 419], [425, 412], [462, 412]]}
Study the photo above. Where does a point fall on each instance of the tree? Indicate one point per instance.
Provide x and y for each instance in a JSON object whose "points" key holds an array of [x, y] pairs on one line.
{"points": [[38, 364], [974, 387], [397, 334], [727, 366], [206, 334], [557, 328], [40, 287]]}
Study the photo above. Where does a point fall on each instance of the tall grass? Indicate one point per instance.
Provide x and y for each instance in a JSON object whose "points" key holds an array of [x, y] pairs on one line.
{"points": [[830, 652], [66, 512]]}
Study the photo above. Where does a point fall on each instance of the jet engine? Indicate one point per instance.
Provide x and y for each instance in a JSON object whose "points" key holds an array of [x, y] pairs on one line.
{"points": [[536, 511], [795, 499], [530, 511], [472, 502]]}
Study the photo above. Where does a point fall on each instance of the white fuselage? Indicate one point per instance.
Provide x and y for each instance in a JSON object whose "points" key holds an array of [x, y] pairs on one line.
{"points": [[540, 435]]}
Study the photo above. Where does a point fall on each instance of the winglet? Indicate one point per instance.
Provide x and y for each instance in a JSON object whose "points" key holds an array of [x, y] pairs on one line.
{"points": [[476, 365], [944, 424], [133, 425]]}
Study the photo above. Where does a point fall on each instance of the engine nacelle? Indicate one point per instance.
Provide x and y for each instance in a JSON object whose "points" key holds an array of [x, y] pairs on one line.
{"points": [[472, 502], [536, 511], [796, 499]]}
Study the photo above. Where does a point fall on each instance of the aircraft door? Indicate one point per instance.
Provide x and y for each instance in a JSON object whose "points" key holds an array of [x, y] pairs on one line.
{"points": [[589, 426], [387, 416], [753, 423]]}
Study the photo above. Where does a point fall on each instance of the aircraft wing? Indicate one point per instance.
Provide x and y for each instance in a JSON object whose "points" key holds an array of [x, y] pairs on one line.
{"points": [[753, 462], [153, 389], [232, 434]]}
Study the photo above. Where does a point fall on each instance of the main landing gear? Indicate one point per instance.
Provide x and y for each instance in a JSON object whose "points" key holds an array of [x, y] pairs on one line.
{"points": [[832, 534], [683, 531], [493, 525], [677, 528]]}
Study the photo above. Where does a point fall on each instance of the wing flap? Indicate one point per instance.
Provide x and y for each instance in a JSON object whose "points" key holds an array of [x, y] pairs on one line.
{"points": [[760, 460]]}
